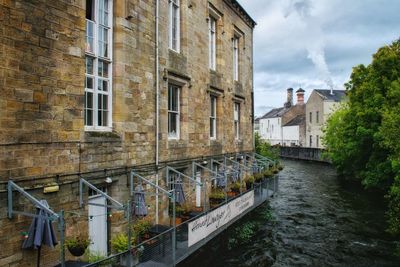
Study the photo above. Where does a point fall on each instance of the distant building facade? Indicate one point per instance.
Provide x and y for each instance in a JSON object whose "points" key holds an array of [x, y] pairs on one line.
{"points": [[320, 105], [285, 126]]}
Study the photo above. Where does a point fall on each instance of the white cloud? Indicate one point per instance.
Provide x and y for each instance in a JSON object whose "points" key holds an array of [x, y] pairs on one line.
{"points": [[346, 32]]}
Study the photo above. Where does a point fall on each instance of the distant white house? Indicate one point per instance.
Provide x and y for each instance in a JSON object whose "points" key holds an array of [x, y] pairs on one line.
{"points": [[320, 105], [280, 126], [293, 132], [271, 126]]}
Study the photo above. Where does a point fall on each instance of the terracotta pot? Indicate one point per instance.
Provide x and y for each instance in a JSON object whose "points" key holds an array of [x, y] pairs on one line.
{"points": [[232, 193], [178, 220]]}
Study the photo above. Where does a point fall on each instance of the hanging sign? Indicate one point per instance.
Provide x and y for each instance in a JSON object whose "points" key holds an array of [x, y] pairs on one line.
{"points": [[205, 225]]}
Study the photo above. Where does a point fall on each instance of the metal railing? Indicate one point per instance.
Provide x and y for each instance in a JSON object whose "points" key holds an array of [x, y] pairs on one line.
{"points": [[172, 246]]}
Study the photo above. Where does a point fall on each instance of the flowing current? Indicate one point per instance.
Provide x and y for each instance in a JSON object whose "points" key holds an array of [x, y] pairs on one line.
{"points": [[315, 221]]}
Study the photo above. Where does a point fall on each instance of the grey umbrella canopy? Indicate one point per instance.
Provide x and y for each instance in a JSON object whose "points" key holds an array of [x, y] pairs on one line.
{"points": [[255, 167], [221, 182], [180, 195], [41, 231], [139, 204], [235, 173]]}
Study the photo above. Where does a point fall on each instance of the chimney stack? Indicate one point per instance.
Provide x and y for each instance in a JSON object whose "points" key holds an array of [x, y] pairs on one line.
{"points": [[289, 101], [300, 96]]}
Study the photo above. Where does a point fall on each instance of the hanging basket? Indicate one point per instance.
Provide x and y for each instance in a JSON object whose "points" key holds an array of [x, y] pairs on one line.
{"points": [[77, 251]]}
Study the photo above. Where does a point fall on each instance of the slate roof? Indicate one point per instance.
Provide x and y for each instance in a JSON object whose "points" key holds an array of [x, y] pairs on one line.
{"points": [[337, 96], [299, 120], [274, 113]]}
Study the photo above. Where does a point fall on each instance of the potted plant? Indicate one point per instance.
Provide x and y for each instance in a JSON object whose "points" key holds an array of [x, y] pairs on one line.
{"points": [[141, 229], [179, 211], [77, 245], [249, 180], [216, 197], [258, 177], [119, 244], [235, 188]]}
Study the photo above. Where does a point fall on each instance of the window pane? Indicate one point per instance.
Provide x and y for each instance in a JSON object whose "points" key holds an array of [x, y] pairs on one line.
{"points": [[103, 68], [89, 83], [173, 98], [89, 117], [89, 9], [89, 65], [103, 39], [99, 85], [89, 36], [172, 124], [105, 86], [105, 118], [89, 100], [105, 102], [212, 127]]}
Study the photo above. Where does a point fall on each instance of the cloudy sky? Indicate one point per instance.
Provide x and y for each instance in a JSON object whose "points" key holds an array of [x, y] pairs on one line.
{"points": [[315, 43]]}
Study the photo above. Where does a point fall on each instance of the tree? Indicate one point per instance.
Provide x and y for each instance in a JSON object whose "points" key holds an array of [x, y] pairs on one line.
{"points": [[264, 148], [362, 136]]}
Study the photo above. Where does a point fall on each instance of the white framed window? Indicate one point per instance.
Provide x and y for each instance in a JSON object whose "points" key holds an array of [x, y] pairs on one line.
{"points": [[310, 117], [98, 67], [173, 111], [236, 120], [213, 117], [212, 22], [235, 45], [174, 25]]}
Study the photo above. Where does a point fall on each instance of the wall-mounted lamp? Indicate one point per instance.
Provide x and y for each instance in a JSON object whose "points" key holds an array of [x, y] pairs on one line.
{"points": [[108, 180], [205, 162]]}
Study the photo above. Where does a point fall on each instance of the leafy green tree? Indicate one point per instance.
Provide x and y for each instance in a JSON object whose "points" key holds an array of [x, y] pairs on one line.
{"points": [[362, 137], [265, 149]]}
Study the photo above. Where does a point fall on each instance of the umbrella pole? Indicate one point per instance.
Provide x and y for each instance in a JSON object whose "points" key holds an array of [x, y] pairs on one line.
{"points": [[38, 257]]}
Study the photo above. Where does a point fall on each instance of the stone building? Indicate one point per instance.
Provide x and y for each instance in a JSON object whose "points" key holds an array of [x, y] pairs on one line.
{"points": [[94, 88], [284, 126], [320, 105]]}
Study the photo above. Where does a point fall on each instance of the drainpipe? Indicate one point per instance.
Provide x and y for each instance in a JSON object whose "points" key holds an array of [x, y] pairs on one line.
{"points": [[252, 88], [157, 106]]}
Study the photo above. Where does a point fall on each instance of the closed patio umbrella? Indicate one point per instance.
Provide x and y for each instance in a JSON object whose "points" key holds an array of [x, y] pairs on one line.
{"points": [[221, 182], [139, 204], [235, 173], [255, 167], [41, 231], [180, 195]]}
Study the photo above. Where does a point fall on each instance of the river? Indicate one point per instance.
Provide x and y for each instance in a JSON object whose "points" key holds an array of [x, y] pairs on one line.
{"points": [[316, 220]]}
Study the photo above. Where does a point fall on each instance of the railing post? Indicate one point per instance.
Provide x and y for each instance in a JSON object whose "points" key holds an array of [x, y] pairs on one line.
{"points": [[174, 229], [80, 192], [61, 228], [128, 211], [10, 200]]}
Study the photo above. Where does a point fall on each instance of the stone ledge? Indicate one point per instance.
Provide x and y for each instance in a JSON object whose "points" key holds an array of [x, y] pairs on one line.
{"points": [[93, 136]]}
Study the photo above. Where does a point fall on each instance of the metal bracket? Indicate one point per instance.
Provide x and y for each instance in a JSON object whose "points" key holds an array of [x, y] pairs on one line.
{"points": [[91, 186], [181, 174], [133, 175], [13, 186]]}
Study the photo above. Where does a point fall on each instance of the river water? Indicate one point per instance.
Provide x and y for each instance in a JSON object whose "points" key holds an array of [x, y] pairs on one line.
{"points": [[315, 220]]}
